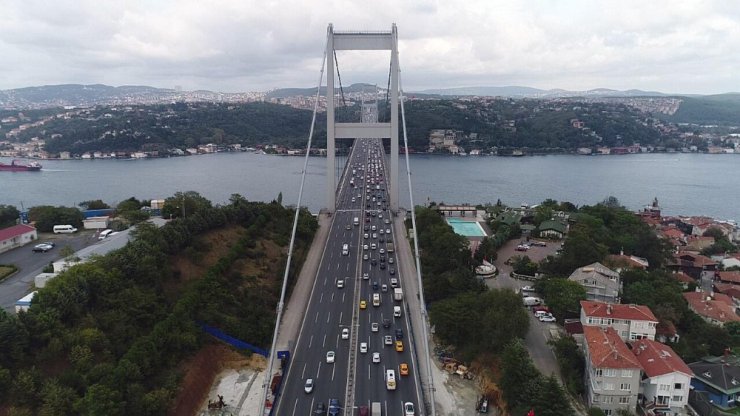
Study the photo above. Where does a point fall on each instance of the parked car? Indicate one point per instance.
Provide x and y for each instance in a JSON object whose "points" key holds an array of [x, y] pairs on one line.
{"points": [[42, 248], [547, 318]]}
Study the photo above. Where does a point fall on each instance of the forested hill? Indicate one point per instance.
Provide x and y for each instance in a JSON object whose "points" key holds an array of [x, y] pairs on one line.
{"points": [[546, 125], [721, 109], [111, 336]]}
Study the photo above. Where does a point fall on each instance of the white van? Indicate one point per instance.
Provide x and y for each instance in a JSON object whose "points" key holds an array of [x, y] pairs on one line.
{"points": [[104, 234], [396, 311], [64, 229], [390, 379]]}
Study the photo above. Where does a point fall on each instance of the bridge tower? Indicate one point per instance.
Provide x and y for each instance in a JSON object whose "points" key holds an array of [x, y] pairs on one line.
{"points": [[365, 129]]}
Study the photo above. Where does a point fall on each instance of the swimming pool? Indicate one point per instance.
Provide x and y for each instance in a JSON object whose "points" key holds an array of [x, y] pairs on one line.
{"points": [[466, 228]]}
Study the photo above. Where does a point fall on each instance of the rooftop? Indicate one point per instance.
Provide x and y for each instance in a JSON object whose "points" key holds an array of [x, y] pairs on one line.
{"points": [[15, 231], [658, 359], [618, 311], [607, 350]]}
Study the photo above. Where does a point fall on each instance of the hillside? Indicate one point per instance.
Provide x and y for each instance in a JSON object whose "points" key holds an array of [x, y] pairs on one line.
{"points": [[310, 92], [721, 109], [76, 95], [529, 92], [110, 337]]}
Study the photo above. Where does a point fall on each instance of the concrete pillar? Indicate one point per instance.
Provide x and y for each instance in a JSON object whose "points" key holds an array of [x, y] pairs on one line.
{"points": [[393, 180], [331, 184]]}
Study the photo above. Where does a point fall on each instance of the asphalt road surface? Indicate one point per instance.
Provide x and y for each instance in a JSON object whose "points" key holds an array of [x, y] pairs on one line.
{"points": [[332, 309]]}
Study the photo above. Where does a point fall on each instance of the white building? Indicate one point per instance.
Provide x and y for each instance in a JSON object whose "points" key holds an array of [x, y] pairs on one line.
{"points": [[665, 387], [16, 236], [632, 322], [601, 283]]}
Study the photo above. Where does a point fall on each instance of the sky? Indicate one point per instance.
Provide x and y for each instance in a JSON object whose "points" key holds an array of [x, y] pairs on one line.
{"points": [[248, 45]]}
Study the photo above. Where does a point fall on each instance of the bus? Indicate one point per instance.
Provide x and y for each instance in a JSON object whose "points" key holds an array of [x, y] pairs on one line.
{"points": [[390, 379]]}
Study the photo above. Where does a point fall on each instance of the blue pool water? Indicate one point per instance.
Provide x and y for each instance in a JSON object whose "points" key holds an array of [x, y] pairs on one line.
{"points": [[466, 228]]}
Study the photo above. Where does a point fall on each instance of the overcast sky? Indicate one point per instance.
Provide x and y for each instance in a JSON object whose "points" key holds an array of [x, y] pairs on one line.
{"points": [[247, 45]]}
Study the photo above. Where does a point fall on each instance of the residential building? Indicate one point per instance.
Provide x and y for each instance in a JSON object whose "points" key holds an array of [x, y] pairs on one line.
{"points": [[552, 229], [719, 379], [601, 283], [16, 236], [612, 372], [631, 322], [695, 265], [666, 381], [621, 262], [715, 308], [732, 277]]}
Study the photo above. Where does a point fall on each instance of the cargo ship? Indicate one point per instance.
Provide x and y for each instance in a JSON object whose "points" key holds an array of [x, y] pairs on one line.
{"points": [[14, 166]]}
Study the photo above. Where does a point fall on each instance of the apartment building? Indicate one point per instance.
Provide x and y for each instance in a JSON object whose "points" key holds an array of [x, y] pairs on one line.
{"points": [[665, 387], [631, 322]]}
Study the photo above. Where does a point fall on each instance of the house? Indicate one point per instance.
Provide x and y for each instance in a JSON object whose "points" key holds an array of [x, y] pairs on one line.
{"points": [[729, 289], [16, 236], [631, 322], [666, 332], [695, 265], [683, 278], [552, 229], [602, 284], [621, 262], [612, 372], [731, 261], [729, 277], [698, 242], [719, 379], [666, 381], [716, 308]]}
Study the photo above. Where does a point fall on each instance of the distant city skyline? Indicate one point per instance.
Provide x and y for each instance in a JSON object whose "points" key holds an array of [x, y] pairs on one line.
{"points": [[239, 46]]}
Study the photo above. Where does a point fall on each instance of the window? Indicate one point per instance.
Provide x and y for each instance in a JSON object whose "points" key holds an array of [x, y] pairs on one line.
{"points": [[664, 387], [677, 399], [626, 373], [610, 372], [625, 334], [625, 387], [608, 386], [608, 412], [624, 400], [598, 372], [608, 399], [678, 386]]}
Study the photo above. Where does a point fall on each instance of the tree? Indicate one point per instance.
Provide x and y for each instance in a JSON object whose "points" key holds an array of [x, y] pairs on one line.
{"points": [[563, 296], [93, 204], [9, 215], [47, 216], [184, 204], [131, 204], [551, 399], [520, 380]]}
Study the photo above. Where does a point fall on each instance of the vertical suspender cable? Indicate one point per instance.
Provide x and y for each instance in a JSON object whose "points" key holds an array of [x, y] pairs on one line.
{"points": [[281, 303], [422, 304]]}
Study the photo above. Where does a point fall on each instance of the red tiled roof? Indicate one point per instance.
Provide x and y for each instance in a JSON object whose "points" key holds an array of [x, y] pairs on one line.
{"points": [[729, 277], [682, 277], [697, 259], [626, 261], [618, 311], [673, 233], [607, 350], [658, 359], [666, 328], [573, 327], [728, 289], [15, 231], [718, 308]]}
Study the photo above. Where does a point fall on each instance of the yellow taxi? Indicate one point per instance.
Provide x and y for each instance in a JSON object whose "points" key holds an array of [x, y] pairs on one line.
{"points": [[403, 369], [399, 346], [363, 304]]}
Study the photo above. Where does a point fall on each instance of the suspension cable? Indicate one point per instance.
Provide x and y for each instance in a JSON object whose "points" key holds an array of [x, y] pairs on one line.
{"points": [[387, 105], [281, 303], [416, 249], [336, 64]]}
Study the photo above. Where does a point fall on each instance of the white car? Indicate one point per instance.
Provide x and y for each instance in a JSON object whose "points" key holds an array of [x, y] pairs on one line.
{"points": [[390, 260], [376, 357], [308, 387], [330, 357], [340, 283], [408, 409], [527, 289], [373, 246], [387, 230], [345, 333], [365, 236], [388, 340], [382, 251], [365, 257], [374, 327], [547, 318], [375, 235], [365, 276], [373, 228], [364, 247], [363, 347]]}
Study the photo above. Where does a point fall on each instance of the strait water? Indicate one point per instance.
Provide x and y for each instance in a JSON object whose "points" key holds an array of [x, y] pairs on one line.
{"points": [[687, 184]]}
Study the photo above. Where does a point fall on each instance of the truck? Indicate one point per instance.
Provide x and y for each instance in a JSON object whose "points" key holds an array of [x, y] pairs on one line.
{"points": [[398, 294], [389, 247], [375, 409]]}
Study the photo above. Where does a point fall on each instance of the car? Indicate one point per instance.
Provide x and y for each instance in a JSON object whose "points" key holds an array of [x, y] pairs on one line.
{"points": [[539, 243], [399, 346], [373, 228], [375, 285], [330, 357], [42, 248], [381, 231], [365, 276], [382, 266], [527, 289], [374, 327], [392, 270], [403, 369], [382, 251], [364, 247], [347, 227], [365, 236], [375, 235], [521, 247], [363, 304], [363, 347], [388, 340], [51, 243], [408, 409], [308, 387], [386, 323], [394, 282], [399, 333], [334, 407], [373, 246], [345, 333], [353, 199], [320, 408], [383, 287], [365, 257], [363, 411], [387, 230], [376, 357], [373, 261], [547, 318], [367, 227], [390, 260]]}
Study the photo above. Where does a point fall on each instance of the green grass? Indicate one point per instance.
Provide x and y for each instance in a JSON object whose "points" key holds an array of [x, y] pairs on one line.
{"points": [[6, 270]]}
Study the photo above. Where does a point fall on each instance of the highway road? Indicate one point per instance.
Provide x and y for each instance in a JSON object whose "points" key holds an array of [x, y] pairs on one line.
{"points": [[363, 271]]}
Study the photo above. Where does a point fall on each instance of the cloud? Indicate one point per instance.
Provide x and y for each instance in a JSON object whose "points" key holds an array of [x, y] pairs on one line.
{"points": [[233, 45]]}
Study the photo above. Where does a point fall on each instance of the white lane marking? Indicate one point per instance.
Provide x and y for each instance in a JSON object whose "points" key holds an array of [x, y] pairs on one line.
{"points": [[321, 298], [343, 297], [340, 317], [337, 266], [368, 371], [347, 266], [318, 370], [323, 344], [316, 319], [332, 296], [310, 341], [295, 405], [333, 369], [328, 317], [303, 372]]}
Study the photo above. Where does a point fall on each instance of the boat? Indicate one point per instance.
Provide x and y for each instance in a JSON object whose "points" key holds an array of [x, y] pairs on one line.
{"points": [[14, 166]]}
